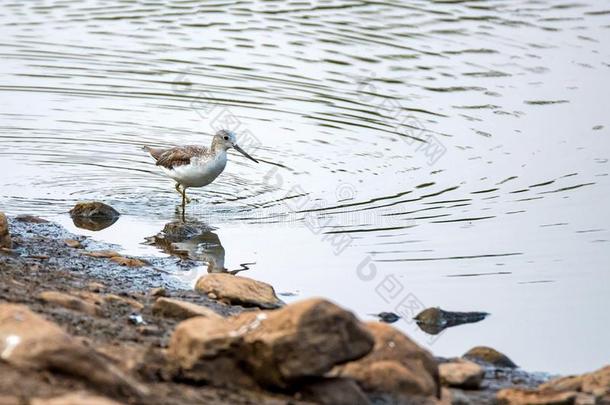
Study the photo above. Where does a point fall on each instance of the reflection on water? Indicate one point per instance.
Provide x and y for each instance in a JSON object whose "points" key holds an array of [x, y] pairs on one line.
{"points": [[194, 240], [93, 223], [437, 139]]}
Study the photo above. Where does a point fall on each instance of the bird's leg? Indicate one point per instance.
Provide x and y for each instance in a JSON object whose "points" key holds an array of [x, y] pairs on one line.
{"points": [[188, 200], [183, 204]]}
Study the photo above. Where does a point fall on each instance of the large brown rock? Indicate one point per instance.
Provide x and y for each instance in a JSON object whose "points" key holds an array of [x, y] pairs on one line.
{"points": [[5, 236], [396, 366], [27, 340], [277, 348], [461, 374], [173, 308], [25, 337], [206, 349], [304, 339], [237, 290], [488, 355]]}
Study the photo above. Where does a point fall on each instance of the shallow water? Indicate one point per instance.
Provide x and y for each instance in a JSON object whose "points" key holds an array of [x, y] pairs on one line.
{"points": [[446, 153]]}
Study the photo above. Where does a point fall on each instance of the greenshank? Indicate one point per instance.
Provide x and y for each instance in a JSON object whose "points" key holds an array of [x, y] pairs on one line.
{"points": [[196, 166]]}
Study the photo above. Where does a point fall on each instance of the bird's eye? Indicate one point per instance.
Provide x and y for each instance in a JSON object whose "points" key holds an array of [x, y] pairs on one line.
{"points": [[226, 138]]}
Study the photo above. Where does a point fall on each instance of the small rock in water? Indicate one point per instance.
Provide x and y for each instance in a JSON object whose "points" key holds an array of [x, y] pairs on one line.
{"points": [[435, 320], [484, 354], [93, 215], [387, 317], [93, 209], [137, 319]]}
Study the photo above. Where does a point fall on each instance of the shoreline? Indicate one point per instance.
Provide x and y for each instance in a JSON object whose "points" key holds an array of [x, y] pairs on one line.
{"points": [[109, 301]]}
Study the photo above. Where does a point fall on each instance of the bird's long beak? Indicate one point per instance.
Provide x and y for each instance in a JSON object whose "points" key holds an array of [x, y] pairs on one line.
{"points": [[243, 152]]}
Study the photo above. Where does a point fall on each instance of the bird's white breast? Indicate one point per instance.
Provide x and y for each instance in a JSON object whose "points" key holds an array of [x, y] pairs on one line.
{"points": [[200, 172]]}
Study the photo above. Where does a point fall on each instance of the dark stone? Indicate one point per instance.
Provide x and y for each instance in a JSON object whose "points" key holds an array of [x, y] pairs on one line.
{"points": [[435, 320]]}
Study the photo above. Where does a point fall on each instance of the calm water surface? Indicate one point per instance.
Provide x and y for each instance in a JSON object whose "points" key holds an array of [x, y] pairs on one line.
{"points": [[413, 153]]}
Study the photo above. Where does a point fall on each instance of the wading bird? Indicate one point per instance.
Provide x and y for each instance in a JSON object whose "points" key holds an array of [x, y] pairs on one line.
{"points": [[196, 166]]}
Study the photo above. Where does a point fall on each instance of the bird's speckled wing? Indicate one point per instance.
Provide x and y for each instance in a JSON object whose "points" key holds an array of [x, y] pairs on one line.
{"points": [[178, 156]]}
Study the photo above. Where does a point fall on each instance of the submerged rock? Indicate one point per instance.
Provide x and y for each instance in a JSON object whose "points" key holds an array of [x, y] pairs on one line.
{"points": [[237, 290], [173, 308], [435, 320], [396, 366], [461, 374], [93, 215], [276, 348], [490, 356], [5, 236], [387, 317]]}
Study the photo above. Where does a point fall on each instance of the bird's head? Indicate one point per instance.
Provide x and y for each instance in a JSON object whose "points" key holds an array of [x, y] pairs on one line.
{"points": [[227, 140]]}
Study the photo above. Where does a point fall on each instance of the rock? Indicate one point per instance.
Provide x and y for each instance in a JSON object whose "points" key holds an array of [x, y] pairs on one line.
{"points": [[435, 320], [487, 355], [173, 308], [128, 261], [117, 299], [304, 339], [205, 350], [93, 215], [10, 400], [5, 236], [461, 374], [458, 397], [76, 398], [277, 348], [69, 301], [25, 336], [31, 219], [596, 383], [334, 391], [239, 290], [518, 396], [95, 287], [107, 254], [73, 243], [157, 292], [387, 317], [93, 209], [29, 341], [396, 366]]}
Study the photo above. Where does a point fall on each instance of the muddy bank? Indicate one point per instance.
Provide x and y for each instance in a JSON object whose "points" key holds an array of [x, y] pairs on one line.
{"points": [[144, 332]]}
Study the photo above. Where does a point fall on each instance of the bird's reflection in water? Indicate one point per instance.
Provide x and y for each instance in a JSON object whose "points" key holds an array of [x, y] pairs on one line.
{"points": [[194, 240]]}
